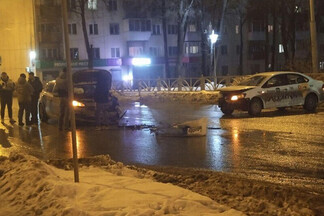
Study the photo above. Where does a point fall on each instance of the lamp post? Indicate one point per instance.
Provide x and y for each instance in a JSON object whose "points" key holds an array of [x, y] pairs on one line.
{"points": [[213, 39]]}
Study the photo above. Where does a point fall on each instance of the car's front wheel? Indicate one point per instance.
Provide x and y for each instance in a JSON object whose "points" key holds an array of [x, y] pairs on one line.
{"points": [[310, 103], [227, 110], [42, 113], [255, 107]]}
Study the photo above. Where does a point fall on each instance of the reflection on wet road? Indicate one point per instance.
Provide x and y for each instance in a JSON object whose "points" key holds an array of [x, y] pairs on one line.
{"points": [[275, 145]]}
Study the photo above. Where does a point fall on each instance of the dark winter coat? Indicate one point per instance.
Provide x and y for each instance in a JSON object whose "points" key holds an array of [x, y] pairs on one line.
{"points": [[102, 92], [61, 87], [37, 86], [24, 90]]}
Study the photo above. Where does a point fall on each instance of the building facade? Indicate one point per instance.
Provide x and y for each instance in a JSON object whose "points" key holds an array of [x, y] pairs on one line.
{"points": [[130, 44], [17, 42]]}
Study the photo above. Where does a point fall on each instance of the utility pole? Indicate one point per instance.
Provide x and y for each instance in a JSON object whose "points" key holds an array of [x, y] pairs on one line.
{"points": [[313, 37], [70, 90]]}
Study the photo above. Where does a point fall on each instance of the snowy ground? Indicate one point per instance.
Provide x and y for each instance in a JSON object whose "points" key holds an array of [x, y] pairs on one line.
{"points": [[29, 186]]}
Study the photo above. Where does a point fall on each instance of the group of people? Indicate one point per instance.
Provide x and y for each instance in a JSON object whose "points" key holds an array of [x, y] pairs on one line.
{"points": [[27, 94]]}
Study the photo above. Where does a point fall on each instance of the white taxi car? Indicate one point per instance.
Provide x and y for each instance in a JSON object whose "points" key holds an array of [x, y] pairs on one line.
{"points": [[272, 90]]}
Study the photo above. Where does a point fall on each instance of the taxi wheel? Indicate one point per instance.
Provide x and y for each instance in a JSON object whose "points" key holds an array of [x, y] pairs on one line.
{"points": [[310, 103], [42, 113], [255, 107]]}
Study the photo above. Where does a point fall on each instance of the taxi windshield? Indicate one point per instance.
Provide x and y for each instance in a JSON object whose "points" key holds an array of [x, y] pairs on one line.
{"points": [[252, 81]]}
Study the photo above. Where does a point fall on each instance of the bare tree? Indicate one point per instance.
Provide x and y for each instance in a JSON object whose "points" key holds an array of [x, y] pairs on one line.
{"points": [[79, 9], [183, 9], [239, 8]]}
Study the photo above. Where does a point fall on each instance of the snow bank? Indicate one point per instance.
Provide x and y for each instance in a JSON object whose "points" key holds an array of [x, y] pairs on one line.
{"points": [[29, 186]]}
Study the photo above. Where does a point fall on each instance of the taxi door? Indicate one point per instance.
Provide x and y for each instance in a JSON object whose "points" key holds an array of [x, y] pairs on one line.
{"points": [[275, 92], [298, 87]]}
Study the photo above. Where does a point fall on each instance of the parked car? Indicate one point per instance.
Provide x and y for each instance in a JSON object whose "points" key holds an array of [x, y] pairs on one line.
{"points": [[84, 85], [272, 90]]}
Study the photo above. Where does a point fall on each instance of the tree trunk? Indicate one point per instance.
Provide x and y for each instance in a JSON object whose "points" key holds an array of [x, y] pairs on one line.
{"points": [[203, 39], [284, 32], [85, 34], [241, 46], [266, 45], [274, 35], [182, 27], [165, 41]]}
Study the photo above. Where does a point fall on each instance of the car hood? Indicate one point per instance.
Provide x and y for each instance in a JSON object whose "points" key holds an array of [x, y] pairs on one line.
{"points": [[236, 88]]}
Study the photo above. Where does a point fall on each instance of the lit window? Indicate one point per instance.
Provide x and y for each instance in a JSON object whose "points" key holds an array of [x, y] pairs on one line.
{"points": [[74, 53], [192, 28], [237, 29], [194, 49], [281, 48], [270, 28], [92, 4], [156, 30], [135, 51], [322, 65]]}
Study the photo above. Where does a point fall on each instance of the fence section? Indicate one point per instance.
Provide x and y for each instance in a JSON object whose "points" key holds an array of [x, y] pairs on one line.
{"points": [[208, 83]]}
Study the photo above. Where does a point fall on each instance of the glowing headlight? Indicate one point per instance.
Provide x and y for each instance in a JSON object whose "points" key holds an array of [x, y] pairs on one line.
{"points": [[236, 97], [77, 104]]}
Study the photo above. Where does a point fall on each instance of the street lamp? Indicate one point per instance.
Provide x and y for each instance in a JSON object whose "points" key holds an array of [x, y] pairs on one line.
{"points": [[213, 39]]}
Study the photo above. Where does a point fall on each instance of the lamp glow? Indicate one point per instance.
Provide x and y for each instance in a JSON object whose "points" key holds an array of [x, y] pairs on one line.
{"points": [[213, 37], [141, 61], [128, 77], [32, 55]]}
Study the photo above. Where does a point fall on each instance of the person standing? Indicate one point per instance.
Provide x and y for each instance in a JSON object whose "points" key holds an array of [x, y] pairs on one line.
{"points": [[61, 89], [24, 94], [101, 98], [38, 87], [7, 86]]}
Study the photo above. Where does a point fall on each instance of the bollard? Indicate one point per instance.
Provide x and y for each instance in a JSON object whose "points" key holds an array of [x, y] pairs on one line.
{"points": [[159, 84], [179, 82], [202, 82]]}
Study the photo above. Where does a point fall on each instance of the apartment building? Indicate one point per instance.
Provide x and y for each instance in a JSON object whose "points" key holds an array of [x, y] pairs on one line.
{"points": [[257, 45], [130, 43], [17, 43], [127, 43]]}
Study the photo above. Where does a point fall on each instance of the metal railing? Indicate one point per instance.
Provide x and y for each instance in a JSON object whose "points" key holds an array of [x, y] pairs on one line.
{"points": [[203, 83], [208, 83]]}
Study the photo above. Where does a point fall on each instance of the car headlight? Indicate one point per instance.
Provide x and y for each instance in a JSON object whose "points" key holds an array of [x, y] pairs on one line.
{"points": [[236, 97], [77, 104]]}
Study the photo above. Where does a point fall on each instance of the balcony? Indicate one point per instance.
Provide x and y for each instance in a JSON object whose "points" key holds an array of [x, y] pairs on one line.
{"points": [[141, 30], [52, 37], [50, 12]]}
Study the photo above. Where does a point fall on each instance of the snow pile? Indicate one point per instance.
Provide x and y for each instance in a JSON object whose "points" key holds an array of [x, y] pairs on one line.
{"points": [[29, 186], [202, 97]]}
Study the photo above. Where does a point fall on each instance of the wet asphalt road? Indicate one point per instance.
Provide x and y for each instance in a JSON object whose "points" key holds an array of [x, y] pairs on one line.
{"points": [[283, 147]]}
